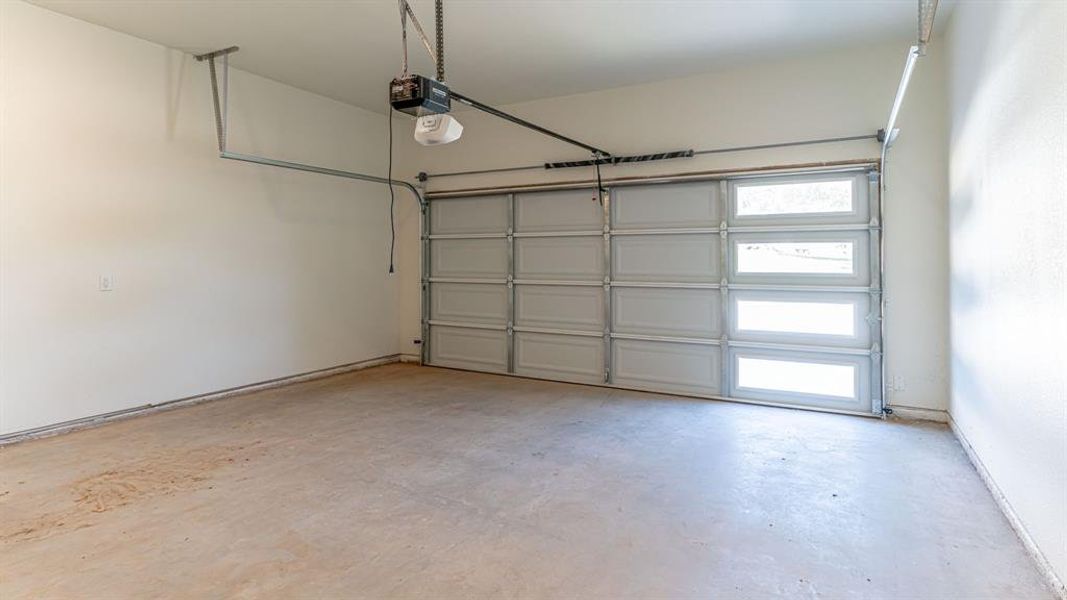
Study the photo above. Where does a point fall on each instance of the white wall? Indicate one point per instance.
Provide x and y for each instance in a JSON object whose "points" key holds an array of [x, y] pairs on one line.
{"points": [[229, 274], [843, 93], [1008, 157], [226, 273]]}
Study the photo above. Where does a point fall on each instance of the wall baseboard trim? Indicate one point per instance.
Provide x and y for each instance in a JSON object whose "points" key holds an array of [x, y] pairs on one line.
{"points": [[920, 414], [1043, 566], [410, 358], [97, 420]]}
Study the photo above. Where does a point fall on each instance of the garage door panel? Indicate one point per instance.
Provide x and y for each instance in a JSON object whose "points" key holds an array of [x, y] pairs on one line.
{"points": [[560, 357], [667, 366], [477, 258], [482, 214], [666, 258], [667, 312], [469, 303], [464, 348], [571, 210], [560, 307], [790, 315], [565, 258], [666, 206]]}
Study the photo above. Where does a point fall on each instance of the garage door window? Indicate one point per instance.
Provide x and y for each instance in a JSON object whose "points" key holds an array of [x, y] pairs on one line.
{"points": [[820, 318], [795, 257], [834, 196], [818, 379]]}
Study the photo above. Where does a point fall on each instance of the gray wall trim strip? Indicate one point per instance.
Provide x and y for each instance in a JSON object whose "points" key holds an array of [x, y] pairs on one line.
{"points": [[1044, 567], [101, 419]]}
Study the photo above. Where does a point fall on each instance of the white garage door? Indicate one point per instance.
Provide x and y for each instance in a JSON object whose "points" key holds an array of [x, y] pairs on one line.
{"points": [[761, 289]]}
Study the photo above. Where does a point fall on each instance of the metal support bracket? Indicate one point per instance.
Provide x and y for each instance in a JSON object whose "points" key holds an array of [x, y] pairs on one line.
{"points": [[221, 118], [510, 282], [725, 361], [876, 318], [424, 274], [609, 309], [217, 53]]}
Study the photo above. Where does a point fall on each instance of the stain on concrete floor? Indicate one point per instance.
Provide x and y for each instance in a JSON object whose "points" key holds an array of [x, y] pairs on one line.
{"points": [[158, 474]]}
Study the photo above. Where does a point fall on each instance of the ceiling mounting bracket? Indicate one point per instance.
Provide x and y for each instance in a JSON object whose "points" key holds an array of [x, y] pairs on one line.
{"points": [[217, 53], [221, 105], [407, 13]]}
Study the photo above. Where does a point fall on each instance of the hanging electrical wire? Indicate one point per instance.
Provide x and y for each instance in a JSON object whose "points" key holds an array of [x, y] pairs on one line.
{"points": [[392, 195], [597, 159]]}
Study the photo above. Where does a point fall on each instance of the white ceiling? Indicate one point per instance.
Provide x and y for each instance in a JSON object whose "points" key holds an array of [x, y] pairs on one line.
{"points": [[499, 51]]}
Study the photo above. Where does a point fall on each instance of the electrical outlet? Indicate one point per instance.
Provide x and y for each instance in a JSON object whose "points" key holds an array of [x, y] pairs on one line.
{"points": [[107, 283], [896, 383]]}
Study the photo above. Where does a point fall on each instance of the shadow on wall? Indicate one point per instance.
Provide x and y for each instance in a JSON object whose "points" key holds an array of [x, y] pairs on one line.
{"points": [[174, 77], [1008, 251], [304, 240]]}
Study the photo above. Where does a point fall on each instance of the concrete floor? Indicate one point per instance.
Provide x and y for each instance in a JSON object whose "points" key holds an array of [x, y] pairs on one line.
{"points": [[405, 481]]}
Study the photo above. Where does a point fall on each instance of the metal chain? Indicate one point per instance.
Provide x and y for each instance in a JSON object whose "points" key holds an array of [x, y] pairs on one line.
{"points": [[440, 14], [404, 35]]}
